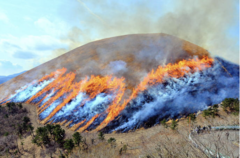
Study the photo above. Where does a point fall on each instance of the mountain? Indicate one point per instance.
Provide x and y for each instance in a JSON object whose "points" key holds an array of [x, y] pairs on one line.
{"points": [[6, 78], [125, 83], [144, 79], [130, 56]]}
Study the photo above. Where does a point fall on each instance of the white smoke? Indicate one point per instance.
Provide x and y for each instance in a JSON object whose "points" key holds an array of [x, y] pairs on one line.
{"points": [[117, 67], [91, 108], [68, 108], [48, 110], [47, 98], [184, 95], [73, 111], [28, 91], [171, 99]]}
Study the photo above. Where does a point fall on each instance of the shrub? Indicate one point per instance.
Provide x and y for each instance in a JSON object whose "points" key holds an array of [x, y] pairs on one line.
{"points": [[24, 126], [69, 145], [11, 106], [231, 105], [50, 128], [101, 136], [59, 134], [19, 129], [215, 106], [124, 148], [211, 111], [174, 125], [35, 141], [26, 119], [164, 123], [42, 137], [20, 105], [111, 140], [77, 138], [192, 117], [30, 128]]}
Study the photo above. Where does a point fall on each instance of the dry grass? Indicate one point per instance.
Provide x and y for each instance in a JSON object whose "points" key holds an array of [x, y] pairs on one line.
{"points": [[90, 59], [153, 142]]}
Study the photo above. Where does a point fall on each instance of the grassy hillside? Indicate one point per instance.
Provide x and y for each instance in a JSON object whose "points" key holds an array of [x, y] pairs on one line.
{"points": [[140, 53]]}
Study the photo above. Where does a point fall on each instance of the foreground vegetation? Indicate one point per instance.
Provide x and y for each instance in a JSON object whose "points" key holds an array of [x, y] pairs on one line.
{"points": [[169, 139], [229, 105], [14, 124]]}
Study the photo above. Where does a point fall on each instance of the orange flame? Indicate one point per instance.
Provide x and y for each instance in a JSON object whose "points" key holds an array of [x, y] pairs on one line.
{"points": [[176, 70], [74, 127], [65, 85], [88, 123], [92, 87], [56, 74]]}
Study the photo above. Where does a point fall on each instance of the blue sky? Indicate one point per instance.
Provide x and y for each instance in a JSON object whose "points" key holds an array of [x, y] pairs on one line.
{"points": [[34, 32]]}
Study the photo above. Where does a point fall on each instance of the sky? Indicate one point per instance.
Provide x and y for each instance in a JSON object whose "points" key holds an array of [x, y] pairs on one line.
{"points": [[34, 32]]}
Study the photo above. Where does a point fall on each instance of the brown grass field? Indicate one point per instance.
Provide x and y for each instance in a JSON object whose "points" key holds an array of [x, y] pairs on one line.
{"points": [[156, 141]]}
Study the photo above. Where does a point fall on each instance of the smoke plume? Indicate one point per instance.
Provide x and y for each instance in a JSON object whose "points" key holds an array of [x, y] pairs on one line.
{"points": [[207, 23]]}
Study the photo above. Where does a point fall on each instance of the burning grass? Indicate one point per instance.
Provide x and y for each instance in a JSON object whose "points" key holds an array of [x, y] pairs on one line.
{"points": [[97, 102]]}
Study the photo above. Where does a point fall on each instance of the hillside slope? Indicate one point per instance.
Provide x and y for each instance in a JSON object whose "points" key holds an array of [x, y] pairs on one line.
{"points": [[130, 56], [9, 77]]}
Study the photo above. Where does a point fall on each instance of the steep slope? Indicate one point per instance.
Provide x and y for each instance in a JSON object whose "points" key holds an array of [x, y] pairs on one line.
{"points": [[125, 83], [130, 56]]}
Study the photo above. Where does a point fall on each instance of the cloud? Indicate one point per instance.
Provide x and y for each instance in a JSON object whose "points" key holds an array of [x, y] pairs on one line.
{"points": [[35, 49], [4, 17], [85, 21], [54, 28], [42, 42], [8, 68], [24, 55], [37, 45]]}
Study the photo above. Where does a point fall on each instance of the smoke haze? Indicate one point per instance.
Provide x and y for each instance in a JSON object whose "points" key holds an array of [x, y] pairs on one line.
{"points": [[207, 23]]}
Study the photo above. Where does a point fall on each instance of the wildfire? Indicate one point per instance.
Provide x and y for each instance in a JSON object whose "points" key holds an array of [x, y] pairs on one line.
{"points": [[92, 87], [57, 74], [155, 77], [63, 86]]}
